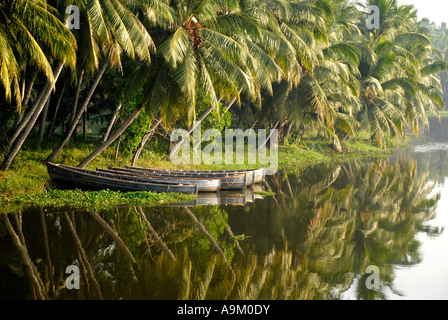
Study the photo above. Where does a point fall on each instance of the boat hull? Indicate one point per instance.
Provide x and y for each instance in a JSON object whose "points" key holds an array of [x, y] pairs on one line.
{"points": [[228, 182], [259, 174], [86, 179], [204, 185]]}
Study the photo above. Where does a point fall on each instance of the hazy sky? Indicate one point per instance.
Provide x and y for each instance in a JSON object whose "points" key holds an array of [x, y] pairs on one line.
{"points": [[435, 10]]}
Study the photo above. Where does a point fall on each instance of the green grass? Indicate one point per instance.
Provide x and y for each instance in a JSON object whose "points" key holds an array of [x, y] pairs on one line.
{"points": [[311, 151]]}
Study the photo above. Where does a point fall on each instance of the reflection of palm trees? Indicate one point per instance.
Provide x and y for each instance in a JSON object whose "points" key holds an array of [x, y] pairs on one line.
{"points": [[84, 259], [151, 230], [356, 215], [36, 284], [334, 222], [381, 216], [47, 253], [114, 235]]}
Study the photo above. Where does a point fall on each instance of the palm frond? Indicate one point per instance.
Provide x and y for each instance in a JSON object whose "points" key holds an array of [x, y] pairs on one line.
{"points": [[175, 47]]}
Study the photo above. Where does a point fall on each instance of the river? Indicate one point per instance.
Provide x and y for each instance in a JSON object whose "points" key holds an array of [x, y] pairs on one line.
{"points": [[364, 229]]}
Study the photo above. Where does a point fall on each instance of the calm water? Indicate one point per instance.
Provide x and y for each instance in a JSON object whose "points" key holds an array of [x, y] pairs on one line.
{"points": [[313, 240]]}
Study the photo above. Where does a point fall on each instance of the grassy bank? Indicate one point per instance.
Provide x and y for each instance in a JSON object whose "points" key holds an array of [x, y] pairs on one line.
{"points": [[27, 181], [312, 151]]}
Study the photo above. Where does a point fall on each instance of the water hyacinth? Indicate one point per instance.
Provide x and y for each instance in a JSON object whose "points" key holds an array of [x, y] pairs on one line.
{"points": [[94, 199]]}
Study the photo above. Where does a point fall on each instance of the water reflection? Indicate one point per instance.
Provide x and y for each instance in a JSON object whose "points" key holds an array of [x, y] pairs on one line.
{"points": [[312, 240], [226, 197], [430, 149]]}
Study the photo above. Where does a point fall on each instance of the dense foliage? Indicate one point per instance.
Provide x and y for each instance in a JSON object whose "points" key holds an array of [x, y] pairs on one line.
{"points": [[292, 65]]}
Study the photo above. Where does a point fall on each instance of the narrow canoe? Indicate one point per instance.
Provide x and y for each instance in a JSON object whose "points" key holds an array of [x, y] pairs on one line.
{"points": [[259, 174], [89, 179], [232, 181], [204, 185]]}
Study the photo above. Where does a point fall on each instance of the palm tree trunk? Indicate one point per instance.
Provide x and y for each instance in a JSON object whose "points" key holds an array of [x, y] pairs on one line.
{"points": [[75, 104], [84, 125], [79, 113], [227, 108], [43, 120], [117, 149], [209, 237], [21, 139], [29, 114], [28, 90], [270, 134], [50, 131], [287, 132], [151, 129], [26, 97], [47, 252], [22, 90], [112, 137], [111, 123], [198, 121], [237, 243]]}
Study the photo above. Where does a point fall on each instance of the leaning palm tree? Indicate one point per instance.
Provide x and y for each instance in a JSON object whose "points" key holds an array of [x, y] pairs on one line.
{"points": [[27, 30], [111, 29], [26, 27]]}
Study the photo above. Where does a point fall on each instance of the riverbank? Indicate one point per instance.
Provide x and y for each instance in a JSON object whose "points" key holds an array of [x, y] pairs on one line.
{"points": [[27, 182]]}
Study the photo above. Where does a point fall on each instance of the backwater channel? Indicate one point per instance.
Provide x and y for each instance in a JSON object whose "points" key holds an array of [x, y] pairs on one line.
{"points": [[314, 239]]}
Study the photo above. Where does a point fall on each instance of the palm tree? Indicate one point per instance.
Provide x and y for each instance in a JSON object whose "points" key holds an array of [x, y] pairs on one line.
{"points": [[440, 40], [326, 95], [399, 84], [30, 29], [205, 49], [202, 46], [111, 29], [28, 25]]}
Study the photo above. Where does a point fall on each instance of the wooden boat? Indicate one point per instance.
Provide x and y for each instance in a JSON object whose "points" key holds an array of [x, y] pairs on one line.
{"points": [[259, 174], [231, 181], [94, 180], [226, 182], [204, 185]]}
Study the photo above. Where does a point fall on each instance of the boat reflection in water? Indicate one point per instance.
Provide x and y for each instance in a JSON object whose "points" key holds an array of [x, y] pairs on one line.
{"points": [[225, 197]]}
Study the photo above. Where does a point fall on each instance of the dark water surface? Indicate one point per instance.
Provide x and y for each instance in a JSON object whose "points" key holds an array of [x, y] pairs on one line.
{"points": [[314, 239]]}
